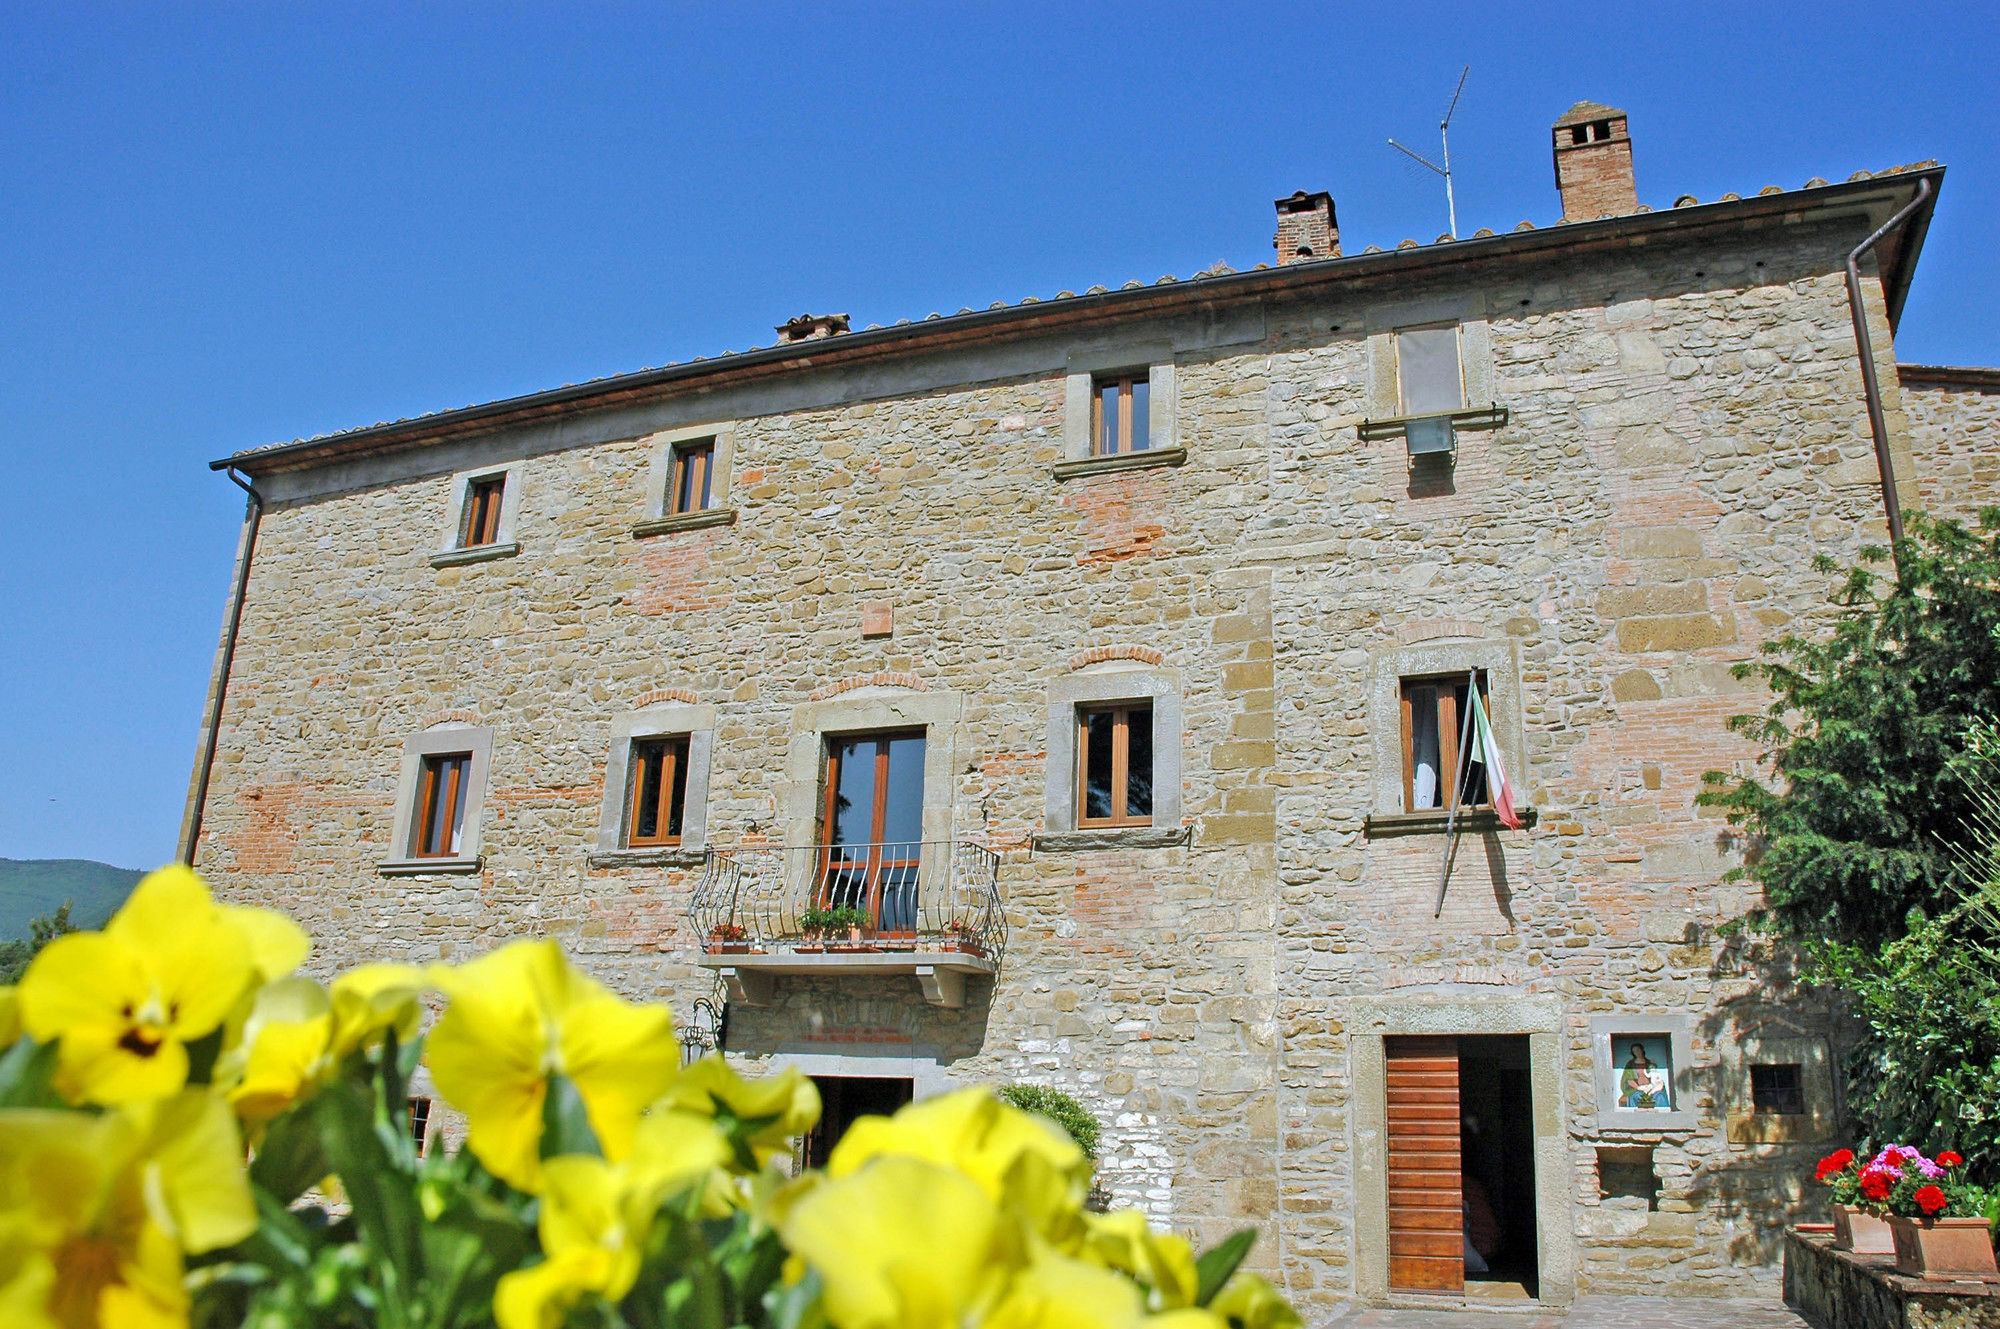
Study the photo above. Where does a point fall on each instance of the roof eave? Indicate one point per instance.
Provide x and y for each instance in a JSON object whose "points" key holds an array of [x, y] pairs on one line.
{"points": [[986, 325]]}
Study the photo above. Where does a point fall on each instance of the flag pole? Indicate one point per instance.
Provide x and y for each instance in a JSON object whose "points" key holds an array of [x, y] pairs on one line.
{"points": [[1457, 785]]}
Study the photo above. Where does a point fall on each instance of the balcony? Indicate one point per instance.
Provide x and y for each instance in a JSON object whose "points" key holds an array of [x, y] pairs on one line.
{"points": [[928, 910]]}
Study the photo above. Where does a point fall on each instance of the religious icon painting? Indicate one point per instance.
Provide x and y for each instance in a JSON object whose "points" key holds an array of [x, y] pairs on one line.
{"points": [[1642, 1071]]}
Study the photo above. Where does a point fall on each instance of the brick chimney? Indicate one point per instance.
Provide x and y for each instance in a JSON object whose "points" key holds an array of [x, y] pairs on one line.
{"points": [[1306, 228], [1594, 163], [811, 327]]}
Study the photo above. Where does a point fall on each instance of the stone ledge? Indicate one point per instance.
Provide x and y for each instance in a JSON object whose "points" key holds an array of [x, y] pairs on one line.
{"points": [[685, 521], [1078, 468], [452, 558], [666, 856], [428, 867], [1480, 821], [1138, 837], [1842, 1290]]}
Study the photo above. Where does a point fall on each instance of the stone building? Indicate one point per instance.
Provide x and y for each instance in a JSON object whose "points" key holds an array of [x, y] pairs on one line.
{"points": [[1110, 656]]}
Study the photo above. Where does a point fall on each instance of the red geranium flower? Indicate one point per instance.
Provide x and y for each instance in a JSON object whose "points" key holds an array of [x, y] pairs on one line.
{"points": [[1876, 1184], [1834, 1163], [1930, 1199], [1949, 1158]]}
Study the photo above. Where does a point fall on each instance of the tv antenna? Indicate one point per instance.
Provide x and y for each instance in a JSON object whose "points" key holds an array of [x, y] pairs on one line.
{"points": [[1444, 134]]}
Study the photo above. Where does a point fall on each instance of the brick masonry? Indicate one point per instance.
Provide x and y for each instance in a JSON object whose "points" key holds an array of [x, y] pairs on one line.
{"points": [[1677, 453]]}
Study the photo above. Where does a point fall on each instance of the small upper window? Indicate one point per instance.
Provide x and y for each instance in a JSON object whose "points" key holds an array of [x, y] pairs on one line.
{"points": [[1778, 1089], [1434, 713], [659, 791], [690, 484], [420, 1122], [481, 522], [1115, 766], [439, 827], [1119, 411], [1427, 369]]}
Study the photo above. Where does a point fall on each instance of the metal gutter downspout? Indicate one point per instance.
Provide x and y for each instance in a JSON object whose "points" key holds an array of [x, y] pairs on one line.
{"points": [[211, 730], [1878, 423]]}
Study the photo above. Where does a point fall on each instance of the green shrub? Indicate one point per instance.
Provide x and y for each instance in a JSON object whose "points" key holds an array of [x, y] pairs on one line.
{"points": [[1060, 1108]]}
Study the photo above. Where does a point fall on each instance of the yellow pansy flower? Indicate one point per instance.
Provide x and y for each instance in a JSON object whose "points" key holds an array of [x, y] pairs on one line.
{"points": [[1123, 1240], [296, 1034], [901, 1243], [10, 1016], [373, 999], [167, 969], [1024, 1163], [1056, 1292], [595, 1217], [789, 1099], [111, 1203], [1247, 1300], [523, 1013]]}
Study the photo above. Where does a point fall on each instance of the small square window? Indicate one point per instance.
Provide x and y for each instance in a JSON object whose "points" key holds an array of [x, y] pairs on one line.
{"points": [[1120, 406], [1434, 737], [658, 805], [1428, 371], [481, 523], [1779, 1089], [420, 1123], [691, 483], [1115, 766], [439, 824]]}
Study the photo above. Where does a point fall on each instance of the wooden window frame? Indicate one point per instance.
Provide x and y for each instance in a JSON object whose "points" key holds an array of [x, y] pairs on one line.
{"points": [[420, 1122], [480, 524], [874, 865], [673, 750], [1448, 726], [693, 468], [1123, 381], [1121, 770], [459, 766]]}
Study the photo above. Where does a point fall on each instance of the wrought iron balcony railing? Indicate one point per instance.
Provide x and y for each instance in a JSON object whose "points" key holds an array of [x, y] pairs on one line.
{"points": [[931, 897]]}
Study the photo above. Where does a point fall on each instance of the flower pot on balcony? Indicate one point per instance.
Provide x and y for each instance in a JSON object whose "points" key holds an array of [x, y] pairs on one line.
{"points": [[1861, 1232], [729, 948], [1944, 1247]]}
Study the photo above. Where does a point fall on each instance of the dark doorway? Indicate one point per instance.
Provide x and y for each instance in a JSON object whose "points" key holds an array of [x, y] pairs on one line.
{"points": [[1497, 1166], [843, 1099]]}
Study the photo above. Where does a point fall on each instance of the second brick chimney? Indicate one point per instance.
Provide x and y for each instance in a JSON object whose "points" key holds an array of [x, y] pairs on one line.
{"points": [[1594, 163], [1306, 228]]}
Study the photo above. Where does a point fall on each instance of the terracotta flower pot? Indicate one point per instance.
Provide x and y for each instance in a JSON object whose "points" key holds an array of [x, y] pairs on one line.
{"points": [[1944, 1247], [1861, 1232]]}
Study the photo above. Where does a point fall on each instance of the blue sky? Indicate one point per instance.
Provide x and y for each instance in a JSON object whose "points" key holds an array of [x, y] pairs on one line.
{"points": [[228, 226]]}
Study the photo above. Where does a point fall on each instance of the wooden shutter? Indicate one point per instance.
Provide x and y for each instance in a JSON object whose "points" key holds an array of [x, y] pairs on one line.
{"points": [[1426, 1220]]}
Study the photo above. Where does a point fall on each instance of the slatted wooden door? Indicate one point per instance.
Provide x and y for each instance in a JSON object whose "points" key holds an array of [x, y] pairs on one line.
{"points": [[1426, 1221]]}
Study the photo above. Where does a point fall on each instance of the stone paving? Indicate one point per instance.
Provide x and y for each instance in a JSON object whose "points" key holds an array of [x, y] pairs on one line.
{"points": [[1590, 1312]]}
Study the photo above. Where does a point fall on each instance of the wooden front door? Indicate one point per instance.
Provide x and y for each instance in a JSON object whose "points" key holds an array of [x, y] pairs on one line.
{"points": [[1426, 1218]]}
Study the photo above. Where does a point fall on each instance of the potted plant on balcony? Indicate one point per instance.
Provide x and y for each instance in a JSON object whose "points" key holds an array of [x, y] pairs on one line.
{"points": [[812, 929], [961, 935], [843, 925], [1854, 1227], [1934, 1216], [728, 939]]}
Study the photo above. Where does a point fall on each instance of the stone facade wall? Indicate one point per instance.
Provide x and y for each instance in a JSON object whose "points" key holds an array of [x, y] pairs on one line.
{"points": [[1679, 447], [1955, 437]]}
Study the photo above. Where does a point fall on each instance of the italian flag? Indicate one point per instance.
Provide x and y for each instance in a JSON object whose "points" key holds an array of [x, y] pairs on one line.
{"points": [[1486, 751]]}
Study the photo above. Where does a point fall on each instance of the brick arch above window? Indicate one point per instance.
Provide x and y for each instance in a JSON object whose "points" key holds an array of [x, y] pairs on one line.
{"points": [[454, 715], [1100, 654], [655, 696], [884, 679]]}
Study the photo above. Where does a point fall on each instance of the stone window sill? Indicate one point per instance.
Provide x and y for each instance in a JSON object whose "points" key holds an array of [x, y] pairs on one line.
{"points": [[428, 867], [1433, 822], [1079, 468], [452, 558], [664, 856], [1127, 837], [1489, 416], [684, 521]]}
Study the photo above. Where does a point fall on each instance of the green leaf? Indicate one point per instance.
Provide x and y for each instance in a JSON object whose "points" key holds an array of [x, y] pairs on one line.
{"points": [[797, 1306], [28, 1076], [291, 1158], [386, 1212], [565, 1124], [1217, 1263], [202, 1053]]}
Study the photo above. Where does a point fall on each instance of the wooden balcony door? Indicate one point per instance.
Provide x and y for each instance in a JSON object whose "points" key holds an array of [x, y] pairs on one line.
{"points": [[1426, 1214], [873, 827]]}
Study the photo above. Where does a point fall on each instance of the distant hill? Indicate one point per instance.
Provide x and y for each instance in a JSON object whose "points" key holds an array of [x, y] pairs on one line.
{"points": [[31, 887]]}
